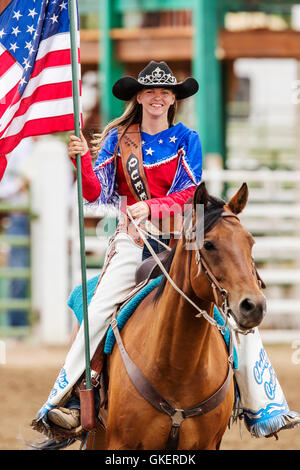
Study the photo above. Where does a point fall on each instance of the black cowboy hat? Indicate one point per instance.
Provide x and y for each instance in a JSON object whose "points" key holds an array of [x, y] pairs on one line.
{"points": [[154, 75]]}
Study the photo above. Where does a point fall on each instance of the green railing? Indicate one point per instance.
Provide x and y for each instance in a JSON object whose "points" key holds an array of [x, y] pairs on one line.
{"points": [[88, 6], [7, 274]]}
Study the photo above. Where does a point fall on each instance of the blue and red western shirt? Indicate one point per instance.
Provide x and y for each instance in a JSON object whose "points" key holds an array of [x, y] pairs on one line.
{"points": [[172, 162]]}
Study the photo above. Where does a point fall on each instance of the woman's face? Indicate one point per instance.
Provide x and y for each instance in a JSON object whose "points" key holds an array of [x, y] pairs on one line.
{"points": [[156, 101]]}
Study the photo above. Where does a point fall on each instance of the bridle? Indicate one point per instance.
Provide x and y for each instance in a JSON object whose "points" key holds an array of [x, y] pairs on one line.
{"points": [[218, 289]]}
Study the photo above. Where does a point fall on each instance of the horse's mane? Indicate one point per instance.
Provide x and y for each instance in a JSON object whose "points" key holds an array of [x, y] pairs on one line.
{"points": [[212, 213]]}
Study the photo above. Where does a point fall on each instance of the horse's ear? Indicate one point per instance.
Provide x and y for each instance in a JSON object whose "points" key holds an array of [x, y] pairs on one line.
{"points": [[238, 202], [201, 195]]}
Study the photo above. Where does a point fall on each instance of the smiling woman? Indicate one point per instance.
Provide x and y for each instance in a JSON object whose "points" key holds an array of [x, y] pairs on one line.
{"points": [[164, 161]]}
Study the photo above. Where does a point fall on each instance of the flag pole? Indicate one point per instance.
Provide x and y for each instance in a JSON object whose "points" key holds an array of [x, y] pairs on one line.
{"points": [[75, 81]]}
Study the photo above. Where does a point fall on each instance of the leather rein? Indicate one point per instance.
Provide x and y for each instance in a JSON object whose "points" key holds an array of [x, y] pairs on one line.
{"points": [[149, 392]]}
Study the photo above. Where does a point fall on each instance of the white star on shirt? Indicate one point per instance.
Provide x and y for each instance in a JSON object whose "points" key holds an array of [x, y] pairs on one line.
{"points": [[17, 15], [143, 142], [173, 139], [149, 151], [2, 33], [160, 141]]}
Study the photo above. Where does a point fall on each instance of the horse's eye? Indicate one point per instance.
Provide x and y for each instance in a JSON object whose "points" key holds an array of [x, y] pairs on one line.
{"points": [[209, 246]]}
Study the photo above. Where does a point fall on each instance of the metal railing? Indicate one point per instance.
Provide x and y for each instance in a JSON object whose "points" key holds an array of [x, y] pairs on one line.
{"points": [[274, 220]]}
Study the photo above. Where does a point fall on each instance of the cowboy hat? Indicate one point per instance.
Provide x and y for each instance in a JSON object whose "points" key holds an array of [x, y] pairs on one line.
{"points": [[154, 75]]}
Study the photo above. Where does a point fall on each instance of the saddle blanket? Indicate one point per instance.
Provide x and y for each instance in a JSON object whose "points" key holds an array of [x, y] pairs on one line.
{"points": [[75, 302]]}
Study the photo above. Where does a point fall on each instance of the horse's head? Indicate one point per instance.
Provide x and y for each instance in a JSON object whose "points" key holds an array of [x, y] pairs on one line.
{"points": [[226, 256]]}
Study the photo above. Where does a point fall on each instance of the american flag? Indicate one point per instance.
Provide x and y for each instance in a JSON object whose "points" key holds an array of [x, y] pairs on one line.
{"points": [[35, 71]]}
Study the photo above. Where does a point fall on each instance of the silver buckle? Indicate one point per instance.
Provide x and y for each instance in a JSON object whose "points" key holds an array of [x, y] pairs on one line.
{"points": [[177, 417], [95, 378]]}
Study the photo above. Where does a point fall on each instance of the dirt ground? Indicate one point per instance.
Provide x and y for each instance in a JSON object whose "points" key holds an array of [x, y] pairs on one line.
{"points": [[30, 371]]}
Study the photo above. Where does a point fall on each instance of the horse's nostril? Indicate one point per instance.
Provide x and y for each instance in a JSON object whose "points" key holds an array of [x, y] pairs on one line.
{"points": [[247, 306]]}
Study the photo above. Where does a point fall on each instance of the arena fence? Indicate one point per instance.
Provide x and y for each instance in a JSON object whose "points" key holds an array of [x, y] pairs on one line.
{"points": [[272, 215], [15, 276]]}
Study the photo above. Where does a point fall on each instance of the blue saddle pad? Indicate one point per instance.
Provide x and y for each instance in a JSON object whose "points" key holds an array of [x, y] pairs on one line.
{"points": [[75, 302]]}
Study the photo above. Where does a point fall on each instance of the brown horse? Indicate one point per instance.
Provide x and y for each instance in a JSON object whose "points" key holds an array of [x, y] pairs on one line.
{"points": [[181, 353]]}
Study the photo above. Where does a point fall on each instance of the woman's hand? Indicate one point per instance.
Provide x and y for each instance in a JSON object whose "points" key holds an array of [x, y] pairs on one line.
{"points": [[139, 210], [77, 146]]}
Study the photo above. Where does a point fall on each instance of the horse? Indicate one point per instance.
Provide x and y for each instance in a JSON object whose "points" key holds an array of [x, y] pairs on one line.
{"points": [[180, 352]]}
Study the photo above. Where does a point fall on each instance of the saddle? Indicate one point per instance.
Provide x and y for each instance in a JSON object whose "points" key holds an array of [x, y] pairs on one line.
{"points": [[149, 268]]}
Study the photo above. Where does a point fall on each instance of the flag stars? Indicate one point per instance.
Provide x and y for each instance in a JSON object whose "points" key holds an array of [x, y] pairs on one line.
{"points": [[54, 19], [30, 29], [14, 47], [2, 33], [173, 139], [22, 81], [32, 13], [16, 31], [28, 45], [63, 6], [160, 141], [27, 66], [17, 15]]}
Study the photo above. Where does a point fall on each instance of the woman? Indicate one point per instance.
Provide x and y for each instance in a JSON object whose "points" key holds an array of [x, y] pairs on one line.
{"points": [[172, 161]]}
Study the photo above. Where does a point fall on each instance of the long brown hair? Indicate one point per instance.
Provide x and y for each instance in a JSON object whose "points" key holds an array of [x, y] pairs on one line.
{"points": [[132, 115]]}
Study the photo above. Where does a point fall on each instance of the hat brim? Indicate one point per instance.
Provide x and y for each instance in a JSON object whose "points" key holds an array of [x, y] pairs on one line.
{"points": [[126, 87]]}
